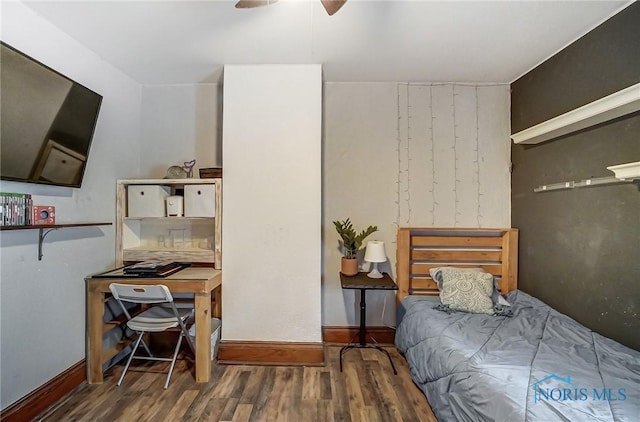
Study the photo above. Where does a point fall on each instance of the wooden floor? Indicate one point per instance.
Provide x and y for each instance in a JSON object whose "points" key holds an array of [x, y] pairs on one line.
{"points": [[366, 390]]}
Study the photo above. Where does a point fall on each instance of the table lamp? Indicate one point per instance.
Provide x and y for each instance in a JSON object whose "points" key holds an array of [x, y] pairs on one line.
{"points": [[375, 253]]}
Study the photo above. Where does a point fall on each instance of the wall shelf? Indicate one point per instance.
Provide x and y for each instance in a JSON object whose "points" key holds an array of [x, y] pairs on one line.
{"points": [[627, 171], [45, 229], [623, 102], [624, 173], [595, 181]]}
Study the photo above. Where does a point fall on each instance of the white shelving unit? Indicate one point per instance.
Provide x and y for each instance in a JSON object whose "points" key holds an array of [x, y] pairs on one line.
{"points": [[181, 239]]}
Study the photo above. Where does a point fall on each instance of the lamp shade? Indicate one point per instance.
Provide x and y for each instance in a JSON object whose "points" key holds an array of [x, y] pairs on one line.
{"points": [[375, 252]]}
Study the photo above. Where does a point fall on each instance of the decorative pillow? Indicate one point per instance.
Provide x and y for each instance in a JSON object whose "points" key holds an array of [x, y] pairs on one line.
{"points": [[498, 299], [436, 273], [468, 291]]}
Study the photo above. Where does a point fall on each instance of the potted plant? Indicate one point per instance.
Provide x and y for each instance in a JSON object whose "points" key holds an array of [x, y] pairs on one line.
{"points": [[351, 242]]}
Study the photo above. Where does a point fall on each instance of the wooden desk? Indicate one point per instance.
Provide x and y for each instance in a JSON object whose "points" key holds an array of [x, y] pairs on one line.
{"points": [[201, 281]]}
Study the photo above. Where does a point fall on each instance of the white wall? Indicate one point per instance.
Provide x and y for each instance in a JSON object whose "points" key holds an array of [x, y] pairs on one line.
{"points": [[398, 154], [271, 246], [180, 123], [42, 303]]}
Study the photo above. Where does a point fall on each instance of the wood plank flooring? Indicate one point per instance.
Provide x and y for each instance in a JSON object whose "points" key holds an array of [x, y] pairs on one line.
{"points": [[366, 390]]}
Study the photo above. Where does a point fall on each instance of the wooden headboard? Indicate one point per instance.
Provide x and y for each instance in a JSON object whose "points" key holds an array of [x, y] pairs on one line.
{"points": [[419, 249]]}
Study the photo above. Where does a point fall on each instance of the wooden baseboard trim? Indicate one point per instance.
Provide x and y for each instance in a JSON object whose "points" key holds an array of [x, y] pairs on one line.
{"points": [[34, 403], [345, 335], [270, 353]]}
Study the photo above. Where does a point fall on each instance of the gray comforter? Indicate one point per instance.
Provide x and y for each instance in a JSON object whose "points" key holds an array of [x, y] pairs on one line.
{"points": [[538, 365]]}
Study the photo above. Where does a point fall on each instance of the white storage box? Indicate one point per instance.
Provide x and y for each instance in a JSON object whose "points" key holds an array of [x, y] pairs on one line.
{"points": [[216, 323], [147, 200], [200, 201]]}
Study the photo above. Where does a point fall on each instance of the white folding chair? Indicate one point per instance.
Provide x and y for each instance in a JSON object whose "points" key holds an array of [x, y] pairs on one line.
{"points": [[153, 320]]}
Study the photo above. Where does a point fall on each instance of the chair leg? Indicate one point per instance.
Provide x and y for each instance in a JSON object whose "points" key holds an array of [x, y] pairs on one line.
{"points": [[133, 352], [173, 361]]}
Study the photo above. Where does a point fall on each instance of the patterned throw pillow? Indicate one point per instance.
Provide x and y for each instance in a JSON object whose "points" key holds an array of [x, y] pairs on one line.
{"points": [[498, 299], [467, 291], [436, 273]]}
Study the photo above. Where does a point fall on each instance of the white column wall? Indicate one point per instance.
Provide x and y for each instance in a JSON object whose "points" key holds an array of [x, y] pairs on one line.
{"points": [[271, 245]]}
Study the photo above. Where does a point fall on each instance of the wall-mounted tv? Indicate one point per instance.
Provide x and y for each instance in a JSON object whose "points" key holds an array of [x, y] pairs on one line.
{"points": [[47, 122]]}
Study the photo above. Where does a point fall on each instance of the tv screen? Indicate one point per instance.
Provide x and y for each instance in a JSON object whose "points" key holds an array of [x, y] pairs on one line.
{"points": [[46, 122]]}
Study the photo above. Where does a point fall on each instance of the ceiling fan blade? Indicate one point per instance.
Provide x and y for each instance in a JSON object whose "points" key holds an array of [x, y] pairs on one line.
{"points": [[332, 6], [248, 4]]}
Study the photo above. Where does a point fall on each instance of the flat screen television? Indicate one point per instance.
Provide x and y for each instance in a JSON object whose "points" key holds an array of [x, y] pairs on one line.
{"points": [[47, 122]]}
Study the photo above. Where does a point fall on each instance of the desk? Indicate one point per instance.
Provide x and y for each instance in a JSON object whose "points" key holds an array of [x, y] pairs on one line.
{"points": [[363, 283], [202, 281]]}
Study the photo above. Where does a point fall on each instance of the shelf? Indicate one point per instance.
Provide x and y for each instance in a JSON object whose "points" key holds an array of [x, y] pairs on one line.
{"points": [[594, 181], [138, 238], [618, 104], [153, 249], [624, 173], [180, 255], [53, 226], [49, 228], [187, 181], [627, 171], [168, 219]]}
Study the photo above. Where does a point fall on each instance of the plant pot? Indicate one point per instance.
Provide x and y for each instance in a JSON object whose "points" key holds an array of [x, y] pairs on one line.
{"points": [[349, 266]]}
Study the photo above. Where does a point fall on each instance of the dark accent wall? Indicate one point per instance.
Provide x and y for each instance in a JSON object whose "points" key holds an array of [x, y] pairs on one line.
{"points": [[600, 63], [580, 248]]}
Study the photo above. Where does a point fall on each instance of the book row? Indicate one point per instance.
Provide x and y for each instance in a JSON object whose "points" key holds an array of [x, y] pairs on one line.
{"points": [[16, 209]]}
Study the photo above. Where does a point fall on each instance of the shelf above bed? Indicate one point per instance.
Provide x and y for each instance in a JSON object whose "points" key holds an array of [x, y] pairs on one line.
{"points": [[618, 104]]}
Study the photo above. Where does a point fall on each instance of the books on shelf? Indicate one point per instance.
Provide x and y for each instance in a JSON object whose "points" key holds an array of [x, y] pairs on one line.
{"points": [[16, 209]]}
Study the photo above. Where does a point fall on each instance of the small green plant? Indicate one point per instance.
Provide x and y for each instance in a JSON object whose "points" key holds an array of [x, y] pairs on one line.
{"points": [[351, 241]]}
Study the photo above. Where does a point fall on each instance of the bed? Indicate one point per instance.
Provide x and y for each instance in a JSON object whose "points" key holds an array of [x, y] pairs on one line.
{"points": [[529, 363]]}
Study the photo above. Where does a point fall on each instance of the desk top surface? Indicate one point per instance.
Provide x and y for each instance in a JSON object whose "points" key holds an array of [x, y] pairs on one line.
{"points": [[361, 281], [187, 273], [190, 279]]}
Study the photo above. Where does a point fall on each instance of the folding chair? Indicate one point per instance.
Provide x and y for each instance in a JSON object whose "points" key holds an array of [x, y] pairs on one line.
{"points": [[153, 320]]}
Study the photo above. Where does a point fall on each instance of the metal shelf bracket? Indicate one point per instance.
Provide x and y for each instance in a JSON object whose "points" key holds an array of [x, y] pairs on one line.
{"points": [[42, 234]]}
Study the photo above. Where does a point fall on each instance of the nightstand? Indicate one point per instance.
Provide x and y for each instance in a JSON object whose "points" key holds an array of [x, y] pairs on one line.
{"points": [[363, 283]]}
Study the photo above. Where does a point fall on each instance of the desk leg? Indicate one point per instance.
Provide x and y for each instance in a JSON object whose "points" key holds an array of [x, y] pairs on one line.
{"points": [[95, 312], [217, 303], [203, 336], [363, 318]]}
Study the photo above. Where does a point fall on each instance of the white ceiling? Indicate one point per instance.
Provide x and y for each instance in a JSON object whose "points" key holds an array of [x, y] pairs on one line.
{"points": [[175, 42]]}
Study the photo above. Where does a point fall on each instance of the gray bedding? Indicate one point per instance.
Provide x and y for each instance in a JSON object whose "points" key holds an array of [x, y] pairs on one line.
{"points": [[538, 365]]}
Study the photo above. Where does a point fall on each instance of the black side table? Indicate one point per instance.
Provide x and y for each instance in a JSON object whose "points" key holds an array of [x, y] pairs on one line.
{"points": [[363, 283]]}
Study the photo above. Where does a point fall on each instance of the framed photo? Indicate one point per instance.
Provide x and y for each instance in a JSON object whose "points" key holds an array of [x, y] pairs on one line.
{"points": [[59, 164]]}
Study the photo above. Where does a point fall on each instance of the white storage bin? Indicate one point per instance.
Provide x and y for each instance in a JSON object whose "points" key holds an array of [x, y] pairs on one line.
{"points": [[200, 201], [147, 200], [216, 323]]}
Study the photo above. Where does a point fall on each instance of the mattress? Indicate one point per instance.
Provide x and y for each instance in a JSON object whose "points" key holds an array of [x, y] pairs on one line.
{"points": [[538, 365]]}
